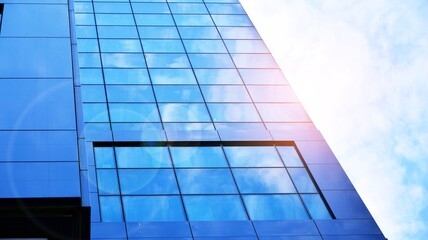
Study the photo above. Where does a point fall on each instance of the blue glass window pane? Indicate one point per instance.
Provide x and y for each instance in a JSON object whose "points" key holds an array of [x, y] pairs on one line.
{"points": [[187, 93], [254, 61], [275, 207], [218, 76], [192, 8], [112, 7], [272, 94], [143, 157], [89, 60], [91, 76], [180, 112], [263, 180], [188, 126], [117, 32], [167, 61], [163, 46], [115, 45], [193, 20], [158, 32], [199, 33], [95, 112], [302, 180], [225, 8], [82, 7], [214, 208], [84, 19], [204, 46], [150, 7], [211, 61], [315, 206], [205, 181], [239, 33], [225, 93], [115, 19], [93, 93], [144, 112], [123, 60], [253, 156], [154, 19], [111, 209], [240, 126], [232, 20], [246, 46], [126, 76], [86, 32], [172, 76], [190, 157], [107, 182], [233, 112], [147, 181], [153, 209], [287, 112], [262, 76], [87, 45], [136, 126], [130, 93], [104, 157]]}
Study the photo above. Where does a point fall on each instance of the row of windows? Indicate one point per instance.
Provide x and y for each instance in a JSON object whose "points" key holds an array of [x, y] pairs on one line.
{"points": [[176, 60], [188, 126], [171, 46], [212, 208], [193, 112], [181, 76], [213, 183], [186, 93], [148, 7], [162, 20], [130, 32]]}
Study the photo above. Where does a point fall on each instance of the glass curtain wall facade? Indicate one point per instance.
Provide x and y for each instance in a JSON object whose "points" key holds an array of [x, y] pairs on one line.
{"points": [[170, 120]]}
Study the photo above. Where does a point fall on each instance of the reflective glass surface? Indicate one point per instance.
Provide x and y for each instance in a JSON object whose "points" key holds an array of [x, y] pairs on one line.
{"points": [[147, 181], [275, 207], [253, 157], [233, 112], [142, 157], [184, 112], [191, 157], [214, 208], [206, 181], [153, 208], [186, 93], [263, 180]]}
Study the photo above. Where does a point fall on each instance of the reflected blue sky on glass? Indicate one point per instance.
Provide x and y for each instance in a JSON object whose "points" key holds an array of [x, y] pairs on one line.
{"points": [[143, 157], [263, 180], [153, 208], [111, 209], [218, 76], [133, 112], [214, 208], [104, 157], [107, 182], [147, 181], [275, 207], [184, 112], [172, 76], [126, 76], [191, 157], [253, 157], [233, 112], [206, 181], [289, 156]]}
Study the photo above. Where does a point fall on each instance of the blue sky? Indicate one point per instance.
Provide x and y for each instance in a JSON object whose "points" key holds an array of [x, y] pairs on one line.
{"points": [[360, 69]]}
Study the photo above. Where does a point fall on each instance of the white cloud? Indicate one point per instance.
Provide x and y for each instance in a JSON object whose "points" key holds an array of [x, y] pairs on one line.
{"points": [[360, 69]]}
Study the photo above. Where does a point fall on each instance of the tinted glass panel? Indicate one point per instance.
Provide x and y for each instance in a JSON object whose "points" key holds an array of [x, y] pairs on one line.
{"points": [[199, 33], [104, 157], [253, 157], [315, 206], [153, 209], [211, 61], [158, 32], [187, 93], [172, 76], [218, 76], [205, 181], [126, 76], [188, 157], [107, 182], [143, 157], [133, 112], [263, 180], [214, 208], [111, 209], [147, 181], [225, 94], [167, 61], [275, 207], [175, 112], [302, 180], [233, 113], [128, 93], [163, 46], [289, 156]]}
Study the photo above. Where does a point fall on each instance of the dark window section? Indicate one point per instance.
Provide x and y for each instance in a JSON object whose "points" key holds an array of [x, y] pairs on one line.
{"points": [[1, 14], [205, 181]]}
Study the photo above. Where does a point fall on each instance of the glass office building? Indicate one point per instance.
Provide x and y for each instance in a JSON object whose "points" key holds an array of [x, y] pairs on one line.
{"points": [[158, 119]]}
